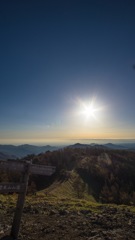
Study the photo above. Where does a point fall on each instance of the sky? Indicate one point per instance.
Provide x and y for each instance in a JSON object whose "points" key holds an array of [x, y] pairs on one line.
{"points": [[66, 70]]}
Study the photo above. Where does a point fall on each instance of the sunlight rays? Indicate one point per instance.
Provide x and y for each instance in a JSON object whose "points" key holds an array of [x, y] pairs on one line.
{"points": [[89, 110]]}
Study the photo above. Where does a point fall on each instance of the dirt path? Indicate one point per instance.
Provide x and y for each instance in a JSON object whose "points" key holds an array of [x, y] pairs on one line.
{"points": [[47, 222]]}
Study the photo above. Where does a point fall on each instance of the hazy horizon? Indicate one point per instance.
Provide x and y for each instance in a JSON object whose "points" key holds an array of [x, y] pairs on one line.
{"points": [[65, 142]]}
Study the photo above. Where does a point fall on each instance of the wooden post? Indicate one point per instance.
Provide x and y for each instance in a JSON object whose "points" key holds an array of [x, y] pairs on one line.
{"points": [[26, 168], [20, 203]]}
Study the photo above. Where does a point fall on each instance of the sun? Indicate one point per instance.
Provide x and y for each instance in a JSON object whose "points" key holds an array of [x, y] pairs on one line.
{"points": [[89, 109]]}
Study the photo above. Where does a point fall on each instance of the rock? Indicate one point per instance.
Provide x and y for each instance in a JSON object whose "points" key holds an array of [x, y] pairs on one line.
{"points": [[84, 211], [63, 212], [53, 212]]}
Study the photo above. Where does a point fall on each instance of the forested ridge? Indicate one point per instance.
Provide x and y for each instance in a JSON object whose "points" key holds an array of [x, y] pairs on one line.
{"points": [[107, 175]]}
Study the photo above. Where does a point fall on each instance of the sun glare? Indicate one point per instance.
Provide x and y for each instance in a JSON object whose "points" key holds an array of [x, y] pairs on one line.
{"points": [[89, 109]]}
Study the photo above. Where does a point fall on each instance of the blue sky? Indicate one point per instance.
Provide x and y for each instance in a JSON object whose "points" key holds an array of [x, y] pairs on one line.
{"points": [[58, 57]]}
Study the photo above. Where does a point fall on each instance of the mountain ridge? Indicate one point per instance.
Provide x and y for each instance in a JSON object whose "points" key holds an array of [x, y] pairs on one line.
{"points": [[24, 150], [13, 151]]}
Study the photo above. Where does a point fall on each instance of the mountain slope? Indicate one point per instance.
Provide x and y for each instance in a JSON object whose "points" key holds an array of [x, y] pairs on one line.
{"points": [[106, 174], [6, 156], [24, 150]]}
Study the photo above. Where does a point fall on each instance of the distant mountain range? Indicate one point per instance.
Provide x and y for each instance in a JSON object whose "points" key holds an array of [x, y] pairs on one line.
{"points": [[124, 146], [13, 152], [4, 156]]}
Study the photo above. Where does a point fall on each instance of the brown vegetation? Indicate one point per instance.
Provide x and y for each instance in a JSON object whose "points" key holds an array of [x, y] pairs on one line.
{"points": [[108, 174]]}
